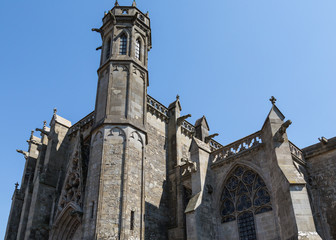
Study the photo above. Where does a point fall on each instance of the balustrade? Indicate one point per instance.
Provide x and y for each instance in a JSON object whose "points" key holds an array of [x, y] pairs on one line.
{"points": [[237, 147]]}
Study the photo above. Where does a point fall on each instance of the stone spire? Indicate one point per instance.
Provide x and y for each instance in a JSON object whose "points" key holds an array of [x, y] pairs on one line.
{"points": [[134, 3], [116, 3]]}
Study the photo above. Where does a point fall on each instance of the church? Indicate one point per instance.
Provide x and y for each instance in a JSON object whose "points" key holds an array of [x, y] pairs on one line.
{"points": [[136, 169]]}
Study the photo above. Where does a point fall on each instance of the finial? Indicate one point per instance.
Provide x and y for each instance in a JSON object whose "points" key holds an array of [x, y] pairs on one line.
{"points": [[147, 14], [177, 97], [116, 3], [16, 185], [31, 134], [134, 3], [55, 111], [44, 124], [273, 100]]}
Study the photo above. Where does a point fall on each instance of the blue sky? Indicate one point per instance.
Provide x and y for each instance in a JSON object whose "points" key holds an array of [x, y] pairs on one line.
{"points": [[224, 58]]}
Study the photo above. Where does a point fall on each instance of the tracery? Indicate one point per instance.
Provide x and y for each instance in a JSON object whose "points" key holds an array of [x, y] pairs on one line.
{"points": [[244, 195]]}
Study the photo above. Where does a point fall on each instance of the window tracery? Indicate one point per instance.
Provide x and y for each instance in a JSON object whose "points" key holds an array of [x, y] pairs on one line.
{"points": [[244, 195]]}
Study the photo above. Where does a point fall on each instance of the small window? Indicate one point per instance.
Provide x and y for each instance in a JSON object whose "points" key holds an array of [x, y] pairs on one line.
{"points": [[123, 45], [137, 49], [132, 221], [108, 49]]}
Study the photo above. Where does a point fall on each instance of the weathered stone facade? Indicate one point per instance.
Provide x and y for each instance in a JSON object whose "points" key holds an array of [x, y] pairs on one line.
{"points": [[136, 169]]}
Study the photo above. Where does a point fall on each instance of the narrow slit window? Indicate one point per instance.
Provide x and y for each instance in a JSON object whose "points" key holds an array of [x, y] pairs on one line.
{"points": [[92, 209], [137, 49], [123, 45], [108, 49], [132, 221]]}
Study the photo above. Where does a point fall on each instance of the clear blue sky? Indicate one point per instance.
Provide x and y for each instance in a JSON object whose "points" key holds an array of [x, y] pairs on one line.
{"points": [[224, 58]]}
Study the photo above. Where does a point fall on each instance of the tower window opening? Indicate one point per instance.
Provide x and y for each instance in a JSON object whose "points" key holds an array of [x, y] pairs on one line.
{"points": [[132, 221], [137, 49], [92, 208], [123, 45], [108, 49]]}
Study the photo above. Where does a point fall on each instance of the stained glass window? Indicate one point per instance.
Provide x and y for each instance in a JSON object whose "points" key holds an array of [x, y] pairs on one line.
{"points": [[244, 195], [123, 45]]}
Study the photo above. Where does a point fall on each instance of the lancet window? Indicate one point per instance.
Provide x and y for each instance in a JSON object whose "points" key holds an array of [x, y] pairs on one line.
{"points": [[137, 49], [108, 49], [245, 194], [123, 45]]}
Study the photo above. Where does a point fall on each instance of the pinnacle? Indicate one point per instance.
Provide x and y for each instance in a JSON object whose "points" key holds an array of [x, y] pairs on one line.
{"points": [[134, 3], [116, 3]]}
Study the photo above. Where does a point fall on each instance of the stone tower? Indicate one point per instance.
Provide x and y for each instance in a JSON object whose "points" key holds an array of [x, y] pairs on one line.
{"points": [[114, 205], [136, 169]]}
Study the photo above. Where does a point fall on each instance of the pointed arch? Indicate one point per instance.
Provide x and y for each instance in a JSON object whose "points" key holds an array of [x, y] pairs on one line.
{"points": [[67, 222], [137, 137], [139, 52], [138, 46], [123, 44], [117, 131], [243, 196]]}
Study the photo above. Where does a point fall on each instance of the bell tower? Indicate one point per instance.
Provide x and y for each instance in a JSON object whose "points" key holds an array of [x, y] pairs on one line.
{"points": [[123, 76], [114, 202]]}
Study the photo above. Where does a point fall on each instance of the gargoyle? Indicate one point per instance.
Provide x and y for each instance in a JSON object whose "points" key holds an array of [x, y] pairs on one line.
{"points": [[43, 131], [96, 30], [181, 119], [208, 138], [282, 130], [25, 154]]}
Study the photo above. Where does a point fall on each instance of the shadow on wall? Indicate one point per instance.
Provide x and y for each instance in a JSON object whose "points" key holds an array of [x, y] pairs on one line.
{"points": [[157, 218]]}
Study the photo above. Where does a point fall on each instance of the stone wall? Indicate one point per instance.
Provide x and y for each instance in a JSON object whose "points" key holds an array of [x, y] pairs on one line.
{"points": [[156, 205], [321, 168]]}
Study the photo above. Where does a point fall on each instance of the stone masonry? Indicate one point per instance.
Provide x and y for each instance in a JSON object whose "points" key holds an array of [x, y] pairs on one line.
{"points": [[136, 169]]}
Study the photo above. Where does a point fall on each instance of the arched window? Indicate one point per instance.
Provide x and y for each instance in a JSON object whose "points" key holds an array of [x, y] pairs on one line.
{"points": [[137, 48], [245, 194], [123, 45], [108, 49]]}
